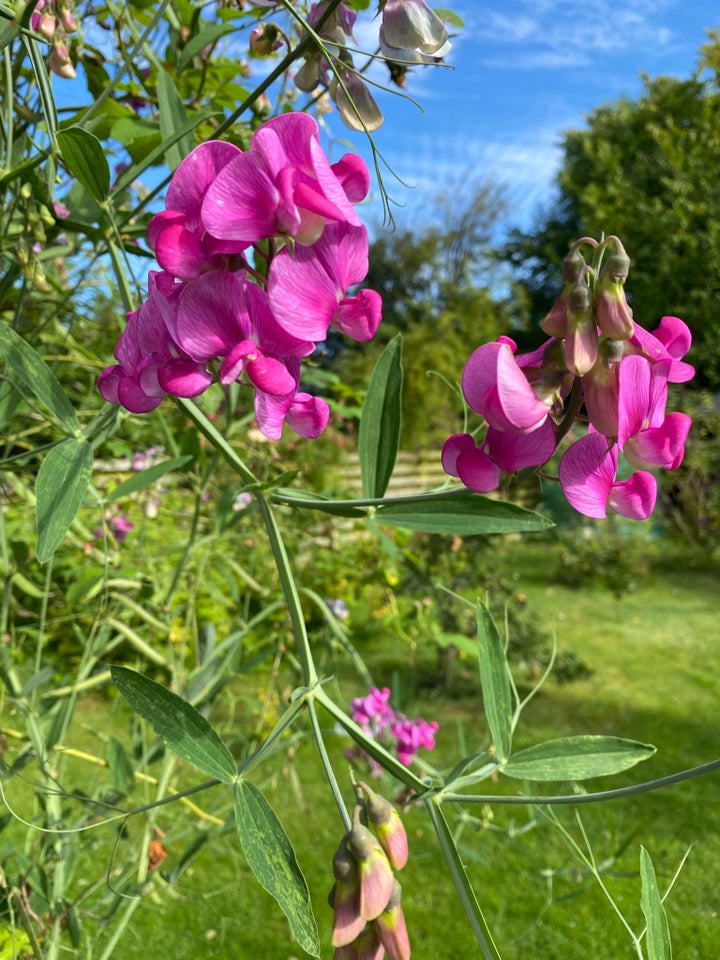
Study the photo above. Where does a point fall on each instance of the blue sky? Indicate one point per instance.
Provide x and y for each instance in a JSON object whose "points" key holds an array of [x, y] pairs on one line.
{"points": [[523, 72]]}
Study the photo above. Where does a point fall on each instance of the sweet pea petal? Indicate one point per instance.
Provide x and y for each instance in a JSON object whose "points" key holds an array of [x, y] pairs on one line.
{"points": [[452, 448], [308, 416], [195, 174], [212, 315], [514, 451], [587, 472], [242, 202], [662, 446], [359, 317], [634, 498], [184, 378], [477, 471]]}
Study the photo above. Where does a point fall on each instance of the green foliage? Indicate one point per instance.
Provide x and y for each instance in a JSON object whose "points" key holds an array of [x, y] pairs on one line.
{"points": [[645, 170]]}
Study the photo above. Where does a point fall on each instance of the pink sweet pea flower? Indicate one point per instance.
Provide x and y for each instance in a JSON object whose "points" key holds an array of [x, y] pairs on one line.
{"points": [[496, 387], [282, 186], [671, 341], [307, 287], [222, 315], [150, 363], [587, 473], [480, 468], [647, 437]]}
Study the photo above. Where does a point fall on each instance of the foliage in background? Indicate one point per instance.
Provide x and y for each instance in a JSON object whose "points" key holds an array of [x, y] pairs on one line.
{"points": [[646, 170]]}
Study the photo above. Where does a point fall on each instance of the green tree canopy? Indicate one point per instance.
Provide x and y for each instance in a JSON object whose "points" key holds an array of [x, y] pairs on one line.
{"points": [[647, 170]]}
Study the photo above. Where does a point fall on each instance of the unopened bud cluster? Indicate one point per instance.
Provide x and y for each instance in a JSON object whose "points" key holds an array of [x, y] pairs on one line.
{"points": [[599, 368], [368, 921], [53, 20], [410, 32]]}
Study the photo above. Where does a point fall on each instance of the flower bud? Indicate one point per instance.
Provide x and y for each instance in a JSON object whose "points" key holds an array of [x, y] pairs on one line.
{"points": [[375, 873], [345, 897], [388, 827], [581, 339], [614, 316], [392, 929], [412, 25]]}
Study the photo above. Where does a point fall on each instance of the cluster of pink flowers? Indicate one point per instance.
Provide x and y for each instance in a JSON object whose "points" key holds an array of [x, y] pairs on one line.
{"points": [[406, 737], [599, 367], [258, 250], [53, 20], [368, 921]]}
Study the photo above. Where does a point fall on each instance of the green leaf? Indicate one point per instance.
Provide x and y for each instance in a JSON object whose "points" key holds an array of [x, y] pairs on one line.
{"points": [[8, 32], [577, 758], [25, 364], [184, 730], [459, 512], [144, 478], [271, 857], [172, 117], [122, 774], [379, 435], [449, 16], [59, 489], [86, 161], [657, 936], [495, 682], [201, 40]]}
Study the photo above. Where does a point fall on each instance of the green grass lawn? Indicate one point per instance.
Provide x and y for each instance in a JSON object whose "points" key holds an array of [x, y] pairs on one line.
{"points": [[654, 657]]}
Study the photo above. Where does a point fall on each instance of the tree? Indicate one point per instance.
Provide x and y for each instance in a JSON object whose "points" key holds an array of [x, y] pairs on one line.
{"points": [[647, 170]]}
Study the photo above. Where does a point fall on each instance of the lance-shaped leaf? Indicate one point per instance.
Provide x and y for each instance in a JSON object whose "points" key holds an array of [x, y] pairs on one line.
{"points": [[172, 117], [184, 730], [379, 434], [86, 161], [22, 362], [577, 758], [459, 513], [271, 857], [143, 478], [495, 682], [59, 490], [657, 936]]}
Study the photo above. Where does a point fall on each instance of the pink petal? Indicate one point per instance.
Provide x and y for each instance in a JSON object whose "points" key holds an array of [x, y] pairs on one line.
{"points": [[654, 348], [514, 451], [184, 378], [452, 448], [359, 317], [271, 412], [180, 252], [195, 174], [642, 395], [587, 473], [477, 471], [353, 176], [308, 416], [270, 375], [521, 407], [662, 446], [675, 336], [212, 315], [634, 498], [242, 202]]}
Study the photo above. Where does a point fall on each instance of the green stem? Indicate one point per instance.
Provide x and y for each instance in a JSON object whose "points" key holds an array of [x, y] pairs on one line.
{"points": [[462, 883], [690, 774]]}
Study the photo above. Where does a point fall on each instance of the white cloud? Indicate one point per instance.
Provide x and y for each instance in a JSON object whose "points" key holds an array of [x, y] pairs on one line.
{"points": [[561, 33]]}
